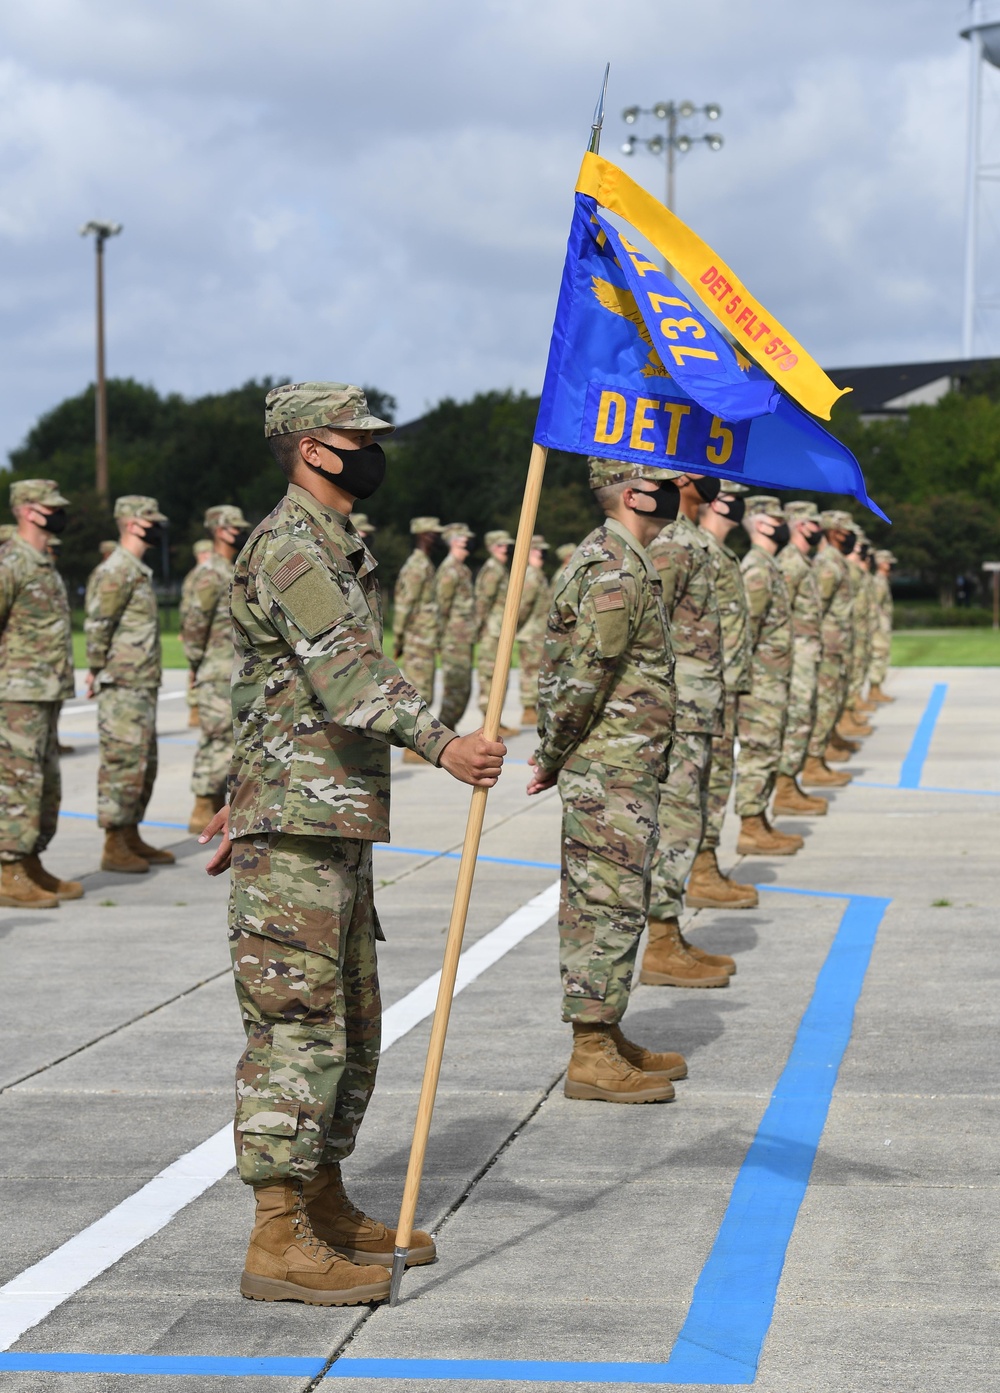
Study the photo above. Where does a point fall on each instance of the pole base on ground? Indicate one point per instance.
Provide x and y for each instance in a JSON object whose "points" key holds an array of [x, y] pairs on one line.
{"points": [[398, 1268]]}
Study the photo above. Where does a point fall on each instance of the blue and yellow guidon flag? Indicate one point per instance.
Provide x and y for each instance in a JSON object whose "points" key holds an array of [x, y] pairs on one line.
{"points": [[637, 371]]}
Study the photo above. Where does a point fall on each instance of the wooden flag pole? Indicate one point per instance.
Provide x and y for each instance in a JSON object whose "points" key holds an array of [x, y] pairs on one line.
{"points": [[466, 873]]}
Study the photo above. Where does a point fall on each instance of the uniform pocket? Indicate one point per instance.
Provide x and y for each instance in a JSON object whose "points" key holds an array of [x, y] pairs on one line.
{"points": [[268, 1117]]}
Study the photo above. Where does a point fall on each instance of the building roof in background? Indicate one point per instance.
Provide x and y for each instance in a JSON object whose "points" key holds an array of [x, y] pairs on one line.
{"points": [[892, 388]]}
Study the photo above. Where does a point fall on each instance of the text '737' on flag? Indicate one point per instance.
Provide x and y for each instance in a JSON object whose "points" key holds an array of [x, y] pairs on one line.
{"points": [[637, 372]]}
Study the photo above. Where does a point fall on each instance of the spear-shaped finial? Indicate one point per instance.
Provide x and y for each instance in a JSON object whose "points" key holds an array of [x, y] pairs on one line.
{"points": [[595, 131]]}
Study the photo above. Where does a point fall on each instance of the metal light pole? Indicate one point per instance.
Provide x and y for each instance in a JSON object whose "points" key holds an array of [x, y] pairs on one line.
{"points": [[984, 47], [101, 231], [676, 140]]}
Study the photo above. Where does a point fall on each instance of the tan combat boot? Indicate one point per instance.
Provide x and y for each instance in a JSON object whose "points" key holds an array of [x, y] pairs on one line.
{"points": [[71, 749], [287, 1262], [529, 717], [505, 732], [792, 802], [817, 774], [344, 1228], [837, 754], [194, 717], [708, 888], [877, 695], [155, 856], [668, 963], [722, 962], [853, 729], [759, 838], [201, 814], [838, 742], [411, 757], [599, 1073], [119, 856], [52, 885], [669, 1064], [19, 891]]}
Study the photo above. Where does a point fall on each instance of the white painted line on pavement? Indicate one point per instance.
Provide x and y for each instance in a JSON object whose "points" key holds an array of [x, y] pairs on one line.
{"points": [[29, 1297]]}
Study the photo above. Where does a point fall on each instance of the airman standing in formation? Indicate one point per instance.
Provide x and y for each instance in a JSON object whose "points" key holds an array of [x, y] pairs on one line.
{"points": [[833, 583], [202, 550], [362, 526], [807, 646], [456, 607], [563, 554], [606, 716], [852, 724], [123, 657], [415, 614], [36, 673], [761, 711], [207, 639], [532, 618], [680, 554], [303, 926], [882, 634], [491, 593]]}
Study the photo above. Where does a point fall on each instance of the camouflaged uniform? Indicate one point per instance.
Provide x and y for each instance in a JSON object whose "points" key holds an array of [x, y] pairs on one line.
{"points": [[207, 639], [532, 622], [123, 652], [456, 607], [415, 614], [491, 594], [734, 619], [202, 550], [317, 708], [882, 631], [803, 596], [36, 676], [833, 584], [681, 556], [861, 618], [605, 720], [761, 712]]}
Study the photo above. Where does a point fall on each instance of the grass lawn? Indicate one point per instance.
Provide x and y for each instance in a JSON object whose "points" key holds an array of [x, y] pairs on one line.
{"points": [[946, 648], [173, 653]]}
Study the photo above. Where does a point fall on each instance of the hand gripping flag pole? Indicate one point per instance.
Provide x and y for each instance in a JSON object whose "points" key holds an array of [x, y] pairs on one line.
{"points": [[473, 833]]}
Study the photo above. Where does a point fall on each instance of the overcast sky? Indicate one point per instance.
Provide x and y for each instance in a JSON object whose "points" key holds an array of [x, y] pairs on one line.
{"points": [[380, 191]]}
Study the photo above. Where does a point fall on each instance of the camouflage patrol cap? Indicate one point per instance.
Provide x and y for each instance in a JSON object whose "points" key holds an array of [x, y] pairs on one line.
{"points": [[106, 548], [457, 529], [605, 472], [225, 515], [565, 551], [310, 405], [361, 524], [731, 489], [418, 525], [52, 542], [7, 530], [138, 505], [836, 517], [201, 547], [800, 509], [500, 538], [43, 491], [885, 558], [538, 543], [766, 504]]}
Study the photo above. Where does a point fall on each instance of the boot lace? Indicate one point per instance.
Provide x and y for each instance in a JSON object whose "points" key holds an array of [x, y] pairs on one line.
{"points": [[303, 1230]]}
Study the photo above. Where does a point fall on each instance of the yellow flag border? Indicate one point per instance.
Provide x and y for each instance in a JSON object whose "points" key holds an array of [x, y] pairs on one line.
{"points": [[756, 331]]}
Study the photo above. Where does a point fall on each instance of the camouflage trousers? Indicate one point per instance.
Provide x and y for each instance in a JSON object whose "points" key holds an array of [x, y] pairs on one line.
{"points": [[682, 818], [215, 741], [30, 782], [486, 657], [302, 931], [126, 727], [530, 658], [881, 651], [801, 711], [417, 666], [760, 723], [831, 691], [609, 836], [456, 679], [722, 768], [859, 670]]}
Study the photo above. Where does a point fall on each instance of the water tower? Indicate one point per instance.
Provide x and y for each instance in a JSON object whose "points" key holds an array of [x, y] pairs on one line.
{"points": [[983, 33]]}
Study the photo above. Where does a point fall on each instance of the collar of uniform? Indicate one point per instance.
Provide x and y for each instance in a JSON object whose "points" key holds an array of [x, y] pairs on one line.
{"points": [[694, 533], [40, 558], [133, 561], [339, 529], [619, 530]]}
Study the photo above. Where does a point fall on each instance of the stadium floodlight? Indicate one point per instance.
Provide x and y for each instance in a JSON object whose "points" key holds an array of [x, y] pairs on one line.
{"points": [[673, 141], [100, 231]]}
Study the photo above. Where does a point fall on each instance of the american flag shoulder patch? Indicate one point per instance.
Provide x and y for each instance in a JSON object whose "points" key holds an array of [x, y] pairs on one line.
{"points": [[290, 570]]}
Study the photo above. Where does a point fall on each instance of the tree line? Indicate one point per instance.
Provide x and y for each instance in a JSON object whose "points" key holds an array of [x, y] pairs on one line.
{"points": [[936, 472]]}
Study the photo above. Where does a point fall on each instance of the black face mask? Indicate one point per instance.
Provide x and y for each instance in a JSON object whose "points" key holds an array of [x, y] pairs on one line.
{"points": [[363, 470], [56, 522], [735, 507], [240, 540], [847, 545], [813, 535], [154, 534], [781, 535], [666, 502], [708, 488]]}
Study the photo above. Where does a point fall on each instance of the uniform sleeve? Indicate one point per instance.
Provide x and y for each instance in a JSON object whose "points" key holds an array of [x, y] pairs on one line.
{"points": [[360, 687], [589, 630], [445, 588], [529, 594], [404, 597], [487, 585], [105, 606], [203, 601], [8, 592], [826, 584], [758, 590], [673, 566]]}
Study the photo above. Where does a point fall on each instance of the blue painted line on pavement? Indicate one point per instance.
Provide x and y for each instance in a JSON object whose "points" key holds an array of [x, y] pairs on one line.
{"points": [[92, 817], [929, 788], [733, 1303], [913, 765]]}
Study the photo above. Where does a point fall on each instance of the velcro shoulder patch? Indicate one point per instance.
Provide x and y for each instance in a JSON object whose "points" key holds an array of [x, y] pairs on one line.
{"points": [[289, 570], [609, 599]]}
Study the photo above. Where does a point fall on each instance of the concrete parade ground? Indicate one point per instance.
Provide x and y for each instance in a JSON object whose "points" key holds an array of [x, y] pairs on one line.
{"points": [[815, 1213]]}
